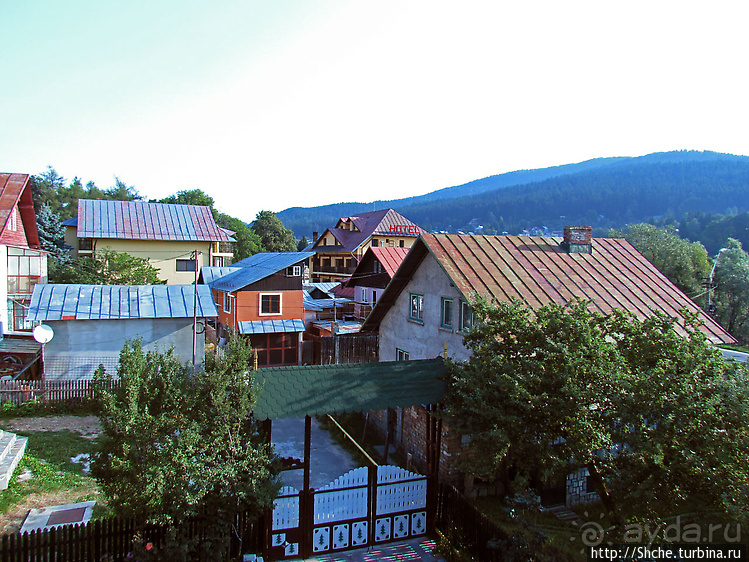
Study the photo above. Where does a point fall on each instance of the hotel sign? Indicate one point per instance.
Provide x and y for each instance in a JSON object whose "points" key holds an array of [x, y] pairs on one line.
{"points": [[404, 229]]}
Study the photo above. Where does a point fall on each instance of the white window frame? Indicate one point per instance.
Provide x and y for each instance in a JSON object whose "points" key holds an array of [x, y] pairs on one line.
{"points": [[280, 304], [401, 354], [227, 302]]}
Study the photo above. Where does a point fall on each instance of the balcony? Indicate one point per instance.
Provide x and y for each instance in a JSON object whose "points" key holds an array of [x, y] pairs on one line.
{"points": [[223, 248]]}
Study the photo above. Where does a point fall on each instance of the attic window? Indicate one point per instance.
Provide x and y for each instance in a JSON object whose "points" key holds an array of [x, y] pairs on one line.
{"points": [[375, 242], [294, 271]]}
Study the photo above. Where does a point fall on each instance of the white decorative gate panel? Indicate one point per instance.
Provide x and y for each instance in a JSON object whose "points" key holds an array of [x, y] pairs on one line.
{"points": [[341, 512], [401, 495]]}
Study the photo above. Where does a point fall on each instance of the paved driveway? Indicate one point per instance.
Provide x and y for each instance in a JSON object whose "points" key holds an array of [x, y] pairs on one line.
{"points": [[414, 550]]}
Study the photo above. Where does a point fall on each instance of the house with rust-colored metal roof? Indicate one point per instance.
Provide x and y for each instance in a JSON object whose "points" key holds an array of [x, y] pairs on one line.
{"points": [[372, 275], [21, 256], [340, 249], [167, 235], [426, 305]]}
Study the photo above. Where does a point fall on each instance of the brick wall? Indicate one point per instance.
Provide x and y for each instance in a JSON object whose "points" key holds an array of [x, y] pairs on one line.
{"points": [[577, 493], [410, 438]]}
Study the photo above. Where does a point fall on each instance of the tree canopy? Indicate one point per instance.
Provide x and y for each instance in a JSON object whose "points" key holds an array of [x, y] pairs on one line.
{"points": [[274, 236], [105, 267], [655, 416], [177, 446], [685, 263], [732, 289]]}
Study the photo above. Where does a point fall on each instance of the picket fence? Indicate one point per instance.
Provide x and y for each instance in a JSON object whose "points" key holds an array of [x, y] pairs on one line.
{"points": [[112, 539], [20, 391]]}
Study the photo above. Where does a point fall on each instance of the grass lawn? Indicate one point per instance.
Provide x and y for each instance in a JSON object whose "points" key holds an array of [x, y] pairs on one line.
{"points": [[53, 478]]}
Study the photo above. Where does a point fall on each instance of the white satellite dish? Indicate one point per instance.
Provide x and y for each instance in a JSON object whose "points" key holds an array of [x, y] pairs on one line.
{"points": [[43, 334]]}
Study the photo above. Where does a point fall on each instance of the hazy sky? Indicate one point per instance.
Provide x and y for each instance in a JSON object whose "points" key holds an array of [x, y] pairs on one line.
{"points": [[273, 104]]}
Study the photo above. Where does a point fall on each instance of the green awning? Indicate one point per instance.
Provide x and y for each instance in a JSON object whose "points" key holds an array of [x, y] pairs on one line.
{"points": [[294, 392]]}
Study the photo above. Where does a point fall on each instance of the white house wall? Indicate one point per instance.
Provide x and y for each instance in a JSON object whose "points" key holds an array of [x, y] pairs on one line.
{"points": [[423, 341], [79, 346]]}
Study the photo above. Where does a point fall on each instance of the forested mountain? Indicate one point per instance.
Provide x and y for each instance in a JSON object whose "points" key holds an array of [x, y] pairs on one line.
{"points": [[604, 193]]}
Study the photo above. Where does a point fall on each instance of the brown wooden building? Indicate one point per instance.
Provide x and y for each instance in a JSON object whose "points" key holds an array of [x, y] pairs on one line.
{"points": [[261, 297]]}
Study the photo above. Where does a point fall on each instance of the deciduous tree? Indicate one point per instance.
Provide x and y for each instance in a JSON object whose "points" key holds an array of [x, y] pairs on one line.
{"points": [[274, 236], [177, 445], [649, 408], [106, 267]]}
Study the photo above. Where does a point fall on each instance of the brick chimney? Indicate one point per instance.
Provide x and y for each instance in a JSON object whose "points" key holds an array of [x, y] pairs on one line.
{"points": [[578, 239]]}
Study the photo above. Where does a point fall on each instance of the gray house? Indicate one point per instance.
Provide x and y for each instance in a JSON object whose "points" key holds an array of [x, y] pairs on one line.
{"points": [[91, 323]]}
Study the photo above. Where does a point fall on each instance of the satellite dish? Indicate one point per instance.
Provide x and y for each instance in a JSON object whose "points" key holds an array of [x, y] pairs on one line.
{"points": [[43, 334]]}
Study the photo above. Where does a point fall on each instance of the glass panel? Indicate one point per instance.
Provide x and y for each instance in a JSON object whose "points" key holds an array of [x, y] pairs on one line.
{"points": [[12, 284], [13, 266], [275, 357], [258, 341], [275, 340], [289, 356], [35, 266], [23, 266], [262, 357]]}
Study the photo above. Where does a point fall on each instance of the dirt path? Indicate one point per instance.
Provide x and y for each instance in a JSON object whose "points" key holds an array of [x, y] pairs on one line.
{"points": [[86, 426]]}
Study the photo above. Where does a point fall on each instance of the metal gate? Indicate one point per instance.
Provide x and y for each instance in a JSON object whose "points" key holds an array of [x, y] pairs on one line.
{"points": [[360, 508]]}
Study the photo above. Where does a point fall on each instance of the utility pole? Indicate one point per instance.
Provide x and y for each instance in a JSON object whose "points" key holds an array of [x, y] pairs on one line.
{"points": [[195, 313], [709, 285]]}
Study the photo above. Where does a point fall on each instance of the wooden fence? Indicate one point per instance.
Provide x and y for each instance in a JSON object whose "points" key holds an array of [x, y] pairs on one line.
{"points": [[48, 391], [467, 528], [112, 540], [350, 348]]}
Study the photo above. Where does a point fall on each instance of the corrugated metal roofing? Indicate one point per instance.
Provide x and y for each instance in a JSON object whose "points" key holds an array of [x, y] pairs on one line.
{"points": [[136, 220], [319, 305], [538, 271], [257, 267], [15, 191], [390, 258], [102, 302], [325, 287], [294, 392], [271, 326], [375, 222], [210, 273]]}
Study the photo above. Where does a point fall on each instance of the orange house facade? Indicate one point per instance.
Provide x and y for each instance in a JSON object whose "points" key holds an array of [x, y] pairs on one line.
{"points": [[261, 298]]}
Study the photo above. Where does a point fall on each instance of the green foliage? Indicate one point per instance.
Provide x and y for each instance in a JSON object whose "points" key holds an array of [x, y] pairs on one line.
{"points": [[302, 244], [648, 406], [189, 197], [685, 263], [52, 235], [732, 292], [177, 445], [50, 189], [106, 267], [274, 236]]}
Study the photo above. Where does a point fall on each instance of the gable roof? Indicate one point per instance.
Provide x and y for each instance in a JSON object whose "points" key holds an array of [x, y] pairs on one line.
{"points": [[377, 223], [293, 392], [16, 191], [389, 257], [209, 273], [538, 271], [136, 220], [257, 267], [106, 302]]}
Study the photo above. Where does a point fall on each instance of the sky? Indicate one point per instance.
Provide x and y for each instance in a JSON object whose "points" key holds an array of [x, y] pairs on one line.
{"points": [[271, 104]]}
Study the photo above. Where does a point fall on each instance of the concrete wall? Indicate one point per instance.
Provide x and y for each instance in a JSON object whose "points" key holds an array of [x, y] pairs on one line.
{"points": [[79, 346], [423, 340]]}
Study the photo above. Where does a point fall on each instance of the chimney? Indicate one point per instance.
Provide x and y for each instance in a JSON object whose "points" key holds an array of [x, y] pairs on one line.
{"points": [[314, 236], [578, 239]]}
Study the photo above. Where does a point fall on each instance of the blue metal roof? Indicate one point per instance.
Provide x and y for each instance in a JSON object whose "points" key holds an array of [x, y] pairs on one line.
{"points": [[102, 302], [136, 220], [271, 326], [70, 222], [212, 272], [319, 305], [258, 267]]}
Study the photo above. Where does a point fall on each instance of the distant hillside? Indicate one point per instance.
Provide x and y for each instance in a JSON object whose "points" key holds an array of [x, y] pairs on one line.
{"points": [[605, 192]]}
